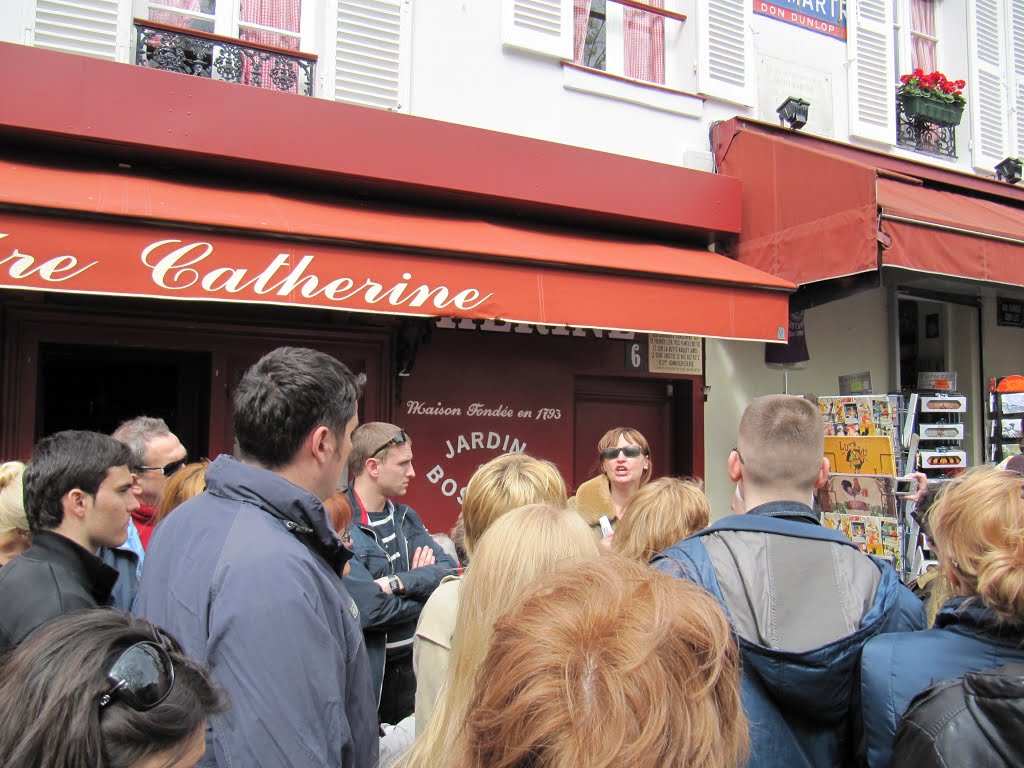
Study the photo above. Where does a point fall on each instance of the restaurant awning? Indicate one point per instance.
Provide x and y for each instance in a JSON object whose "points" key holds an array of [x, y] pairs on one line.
{"points": [[118, 232], [814, 210]]}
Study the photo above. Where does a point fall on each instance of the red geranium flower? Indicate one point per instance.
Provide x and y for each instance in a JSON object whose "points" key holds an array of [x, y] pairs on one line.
{"points": [[934, 85]]}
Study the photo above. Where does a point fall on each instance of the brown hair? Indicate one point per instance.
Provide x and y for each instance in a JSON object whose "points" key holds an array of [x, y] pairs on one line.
{"points": [[504, 483], [660, 514], [978, 525], [339, 511], [611, 438], [370, 437], [187, 482], [782, 442], [605, 663]]}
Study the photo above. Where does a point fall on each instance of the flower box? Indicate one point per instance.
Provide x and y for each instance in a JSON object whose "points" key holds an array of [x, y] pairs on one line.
{"points": [[933, 110]]}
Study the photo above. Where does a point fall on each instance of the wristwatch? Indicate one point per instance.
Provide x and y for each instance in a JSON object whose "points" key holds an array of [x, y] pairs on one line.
{"points": [[396, 585]]}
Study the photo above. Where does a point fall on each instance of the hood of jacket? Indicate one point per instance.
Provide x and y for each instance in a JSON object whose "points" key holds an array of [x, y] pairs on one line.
{"points": [[848, 596], [301, 513]]}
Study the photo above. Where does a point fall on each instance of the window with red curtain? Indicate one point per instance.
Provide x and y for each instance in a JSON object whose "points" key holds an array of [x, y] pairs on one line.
{"points": [[642, 40]]}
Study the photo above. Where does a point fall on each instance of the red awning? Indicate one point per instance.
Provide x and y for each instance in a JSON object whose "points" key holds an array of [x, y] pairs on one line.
{"points": [[816, 210], [951, 234], [134, 235]]}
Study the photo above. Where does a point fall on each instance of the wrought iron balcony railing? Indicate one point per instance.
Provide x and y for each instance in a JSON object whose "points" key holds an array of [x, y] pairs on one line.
{"points": [[191, 52], [922, 135]]}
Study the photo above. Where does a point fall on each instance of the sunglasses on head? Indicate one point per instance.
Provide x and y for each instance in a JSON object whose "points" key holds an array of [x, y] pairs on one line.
{"points": [[629, 451], [141, 677], [167, 469], [400, 438]]}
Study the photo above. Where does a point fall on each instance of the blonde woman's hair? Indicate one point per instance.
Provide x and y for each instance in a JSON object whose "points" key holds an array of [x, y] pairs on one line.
{"points": [[12, 498], [520, 546], [607, 663], [504, 483], [187, 482], [978, 525], [660, 514]]}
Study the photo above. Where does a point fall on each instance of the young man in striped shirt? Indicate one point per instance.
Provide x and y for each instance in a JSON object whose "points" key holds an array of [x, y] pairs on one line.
{"points": [[396, 564]]}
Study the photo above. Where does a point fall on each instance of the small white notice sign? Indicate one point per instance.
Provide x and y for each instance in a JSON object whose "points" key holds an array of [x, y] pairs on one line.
{"points": [[675, 354]]}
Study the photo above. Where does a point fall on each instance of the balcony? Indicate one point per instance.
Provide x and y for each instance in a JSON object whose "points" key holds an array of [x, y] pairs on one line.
{"points": [[191, 52], [923, 135]]}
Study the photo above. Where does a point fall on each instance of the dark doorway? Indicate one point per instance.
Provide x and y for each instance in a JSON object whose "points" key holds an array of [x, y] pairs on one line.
{"points": [[94, 387], [648, 406]]}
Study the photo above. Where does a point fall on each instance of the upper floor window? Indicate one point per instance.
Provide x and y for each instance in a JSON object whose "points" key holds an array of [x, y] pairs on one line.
{"points": [[620, 38]]}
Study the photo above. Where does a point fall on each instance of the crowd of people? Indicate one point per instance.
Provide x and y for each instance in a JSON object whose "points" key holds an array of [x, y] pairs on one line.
{"points": [[282, 606]]}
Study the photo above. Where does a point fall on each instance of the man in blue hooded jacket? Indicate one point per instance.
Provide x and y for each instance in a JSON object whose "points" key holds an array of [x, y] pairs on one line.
{"points": [[247, 576], [801, 598]]}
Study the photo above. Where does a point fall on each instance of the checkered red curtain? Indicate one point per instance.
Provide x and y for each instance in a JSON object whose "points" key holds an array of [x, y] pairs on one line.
{"points": [[922, 20], [280, 14], [176, 19], [581, 19], [645, 44]]}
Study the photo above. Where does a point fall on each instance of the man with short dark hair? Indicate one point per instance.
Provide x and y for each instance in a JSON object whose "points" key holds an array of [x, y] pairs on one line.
{"points": [[156, 454], [78, 498], [802, 599], [396, 566], [247, 576]]}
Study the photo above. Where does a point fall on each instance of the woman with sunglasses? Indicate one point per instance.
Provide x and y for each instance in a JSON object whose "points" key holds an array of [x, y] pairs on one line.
{"points": [[625, 458], [100, 689]]}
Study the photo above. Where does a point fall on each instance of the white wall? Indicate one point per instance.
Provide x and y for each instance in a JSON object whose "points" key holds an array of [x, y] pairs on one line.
{"points": [[846, 336]]}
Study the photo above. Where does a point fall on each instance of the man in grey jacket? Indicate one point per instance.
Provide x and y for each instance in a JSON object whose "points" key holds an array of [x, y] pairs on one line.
{"points": [[247, 576], [802, 598]]}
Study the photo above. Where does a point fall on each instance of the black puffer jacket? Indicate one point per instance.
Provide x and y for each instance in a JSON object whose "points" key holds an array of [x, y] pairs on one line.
{"points": [[976, 720]]}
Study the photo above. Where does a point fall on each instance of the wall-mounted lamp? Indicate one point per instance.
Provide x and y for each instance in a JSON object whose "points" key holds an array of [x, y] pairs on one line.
{"points": [[794, 112], [1009, 170]]}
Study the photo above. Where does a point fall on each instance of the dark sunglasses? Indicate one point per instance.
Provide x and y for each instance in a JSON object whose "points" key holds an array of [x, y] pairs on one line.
{"points": [[141, 677], [400, 438], [167, 469], [629, 451]]}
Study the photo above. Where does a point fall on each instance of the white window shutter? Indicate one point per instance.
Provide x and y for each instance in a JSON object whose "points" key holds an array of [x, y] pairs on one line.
{"points": [[540, 26], [725, 58], [872, 75], [371, 62], [986, 93], [96, 28], [1016, 33]]}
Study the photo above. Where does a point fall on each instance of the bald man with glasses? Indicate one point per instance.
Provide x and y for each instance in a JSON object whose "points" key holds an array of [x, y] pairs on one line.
{"points": [[396, 565]]}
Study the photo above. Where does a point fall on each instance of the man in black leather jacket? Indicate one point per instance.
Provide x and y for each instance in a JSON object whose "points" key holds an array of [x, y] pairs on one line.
{"points": [[971, 721], [78, 498]]}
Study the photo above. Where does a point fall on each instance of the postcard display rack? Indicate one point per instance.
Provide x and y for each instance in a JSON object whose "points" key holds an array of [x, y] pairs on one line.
{"points": [[870, 440], [934, 434], [1006, 409], [862, 444]]}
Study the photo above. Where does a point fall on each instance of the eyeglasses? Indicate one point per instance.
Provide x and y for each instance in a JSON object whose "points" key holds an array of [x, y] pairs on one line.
{"points": [[739, 455], [141, 677], [400, 438], [167, 469], [629, 451]]}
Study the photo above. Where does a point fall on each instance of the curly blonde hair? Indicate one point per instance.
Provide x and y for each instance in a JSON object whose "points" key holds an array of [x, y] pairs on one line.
{"points": [[978, 525], [660, 514], [607, 663]]}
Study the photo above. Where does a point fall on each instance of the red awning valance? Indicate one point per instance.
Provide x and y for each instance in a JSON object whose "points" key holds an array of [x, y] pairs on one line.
{"points": [[815, 210], [951, 234], [135, 235]]}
